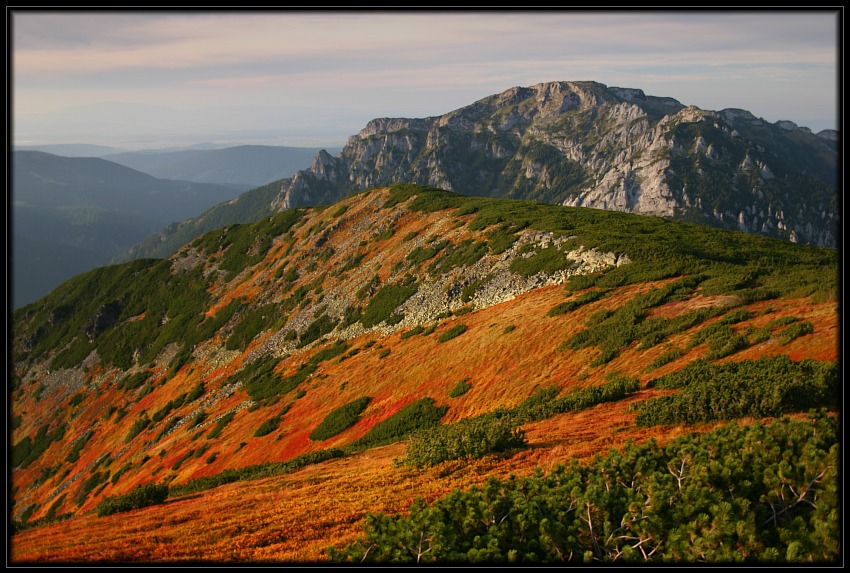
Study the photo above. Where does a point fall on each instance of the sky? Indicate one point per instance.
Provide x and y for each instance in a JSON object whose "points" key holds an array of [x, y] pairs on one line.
{"points": [[139, 79]]}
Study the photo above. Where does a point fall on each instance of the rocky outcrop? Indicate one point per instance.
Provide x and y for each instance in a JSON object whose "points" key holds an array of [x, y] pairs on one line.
{"points": [[585, 144]]}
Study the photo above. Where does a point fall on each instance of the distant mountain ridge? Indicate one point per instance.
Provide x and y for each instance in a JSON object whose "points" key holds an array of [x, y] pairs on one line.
{"points": [[583, 144], [245, 166], [96, 206], [90, 210]]}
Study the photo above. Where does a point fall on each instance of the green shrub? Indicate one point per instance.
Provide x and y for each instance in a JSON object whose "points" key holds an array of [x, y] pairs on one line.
{"points": [[73, 355], [736, 316], [423, 413], [385, 233], [252, 322], [318, 328], [196, 393], [367, 289], [271, 424], [222, 422], [134, 381], [166, 429], [187, 456], [419, 255], [545, 403], [469, 438], [386, 301], [666, 358], [197, 419], [499, 240], [78, 445], [771, 386], [613, 330], [722, 346], [460, 388], [340, 419], [141, 496], [781, 321], [467, 292], [466, 253], [718, 497], [352, 263], [571, 305], [548, 260], [140, 424], [429, 330], [121, 471], [795, 330], [160, 414], [413, 332], [94, 480], [453, 332]]}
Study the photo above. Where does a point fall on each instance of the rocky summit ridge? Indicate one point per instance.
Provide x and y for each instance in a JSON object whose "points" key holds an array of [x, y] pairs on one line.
{"points": [[586, 144]]}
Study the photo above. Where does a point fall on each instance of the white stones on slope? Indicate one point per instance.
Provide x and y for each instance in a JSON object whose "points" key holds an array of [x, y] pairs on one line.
{"points": [[438, 295]]}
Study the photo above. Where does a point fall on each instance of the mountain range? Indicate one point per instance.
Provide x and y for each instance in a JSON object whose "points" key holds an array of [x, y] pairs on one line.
{"points": [[72, 214], [580, 144], [244, 166], [522, 333], [273, 389]]}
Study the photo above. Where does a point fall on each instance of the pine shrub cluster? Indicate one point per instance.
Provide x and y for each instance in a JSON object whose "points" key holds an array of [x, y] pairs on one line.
{"points": [[141, 496], [770, 386], [340, 419], [424, 413], [469, 438], [738, 495]]}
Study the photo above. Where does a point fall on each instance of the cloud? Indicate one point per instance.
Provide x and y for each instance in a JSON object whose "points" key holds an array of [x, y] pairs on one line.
{"points": [[419, 63]]}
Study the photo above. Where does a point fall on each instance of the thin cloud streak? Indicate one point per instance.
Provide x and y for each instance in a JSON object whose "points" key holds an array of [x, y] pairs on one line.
{"points": [[417, 63], [203, 41]]}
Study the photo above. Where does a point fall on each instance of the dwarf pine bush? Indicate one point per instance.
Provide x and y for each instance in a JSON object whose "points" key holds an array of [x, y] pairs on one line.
{"points": [[340, 419], [491, 433], [141, 496], [721, 497]]}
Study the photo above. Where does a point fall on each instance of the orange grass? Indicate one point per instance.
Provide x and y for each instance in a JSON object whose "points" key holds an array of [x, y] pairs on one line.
{"points": [[502, 368], [296, 517], [293, 518]]}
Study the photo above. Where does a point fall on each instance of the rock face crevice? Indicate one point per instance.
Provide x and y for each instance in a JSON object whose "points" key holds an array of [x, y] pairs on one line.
{"points": [[585, 144]]}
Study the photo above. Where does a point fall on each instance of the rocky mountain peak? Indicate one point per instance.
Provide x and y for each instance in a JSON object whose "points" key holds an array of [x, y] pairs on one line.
{"points": [[582, 143]]}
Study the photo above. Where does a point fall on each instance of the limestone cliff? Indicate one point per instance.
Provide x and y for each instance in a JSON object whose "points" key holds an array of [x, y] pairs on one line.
{"points": [[585, 144]]}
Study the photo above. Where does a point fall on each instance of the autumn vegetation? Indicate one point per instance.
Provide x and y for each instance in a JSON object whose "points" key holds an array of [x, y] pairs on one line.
{"points": [[224, 406]]}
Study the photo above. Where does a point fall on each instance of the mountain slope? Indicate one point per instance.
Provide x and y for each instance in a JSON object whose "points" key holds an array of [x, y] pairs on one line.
{"points": [[71, 149], [586, 144], [396, 306], [43, 179], [249, 207], [245, 166], [90, 209]]}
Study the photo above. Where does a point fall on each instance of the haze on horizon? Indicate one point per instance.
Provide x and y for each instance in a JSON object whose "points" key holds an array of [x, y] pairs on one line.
{"points": [[148, 78]]}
